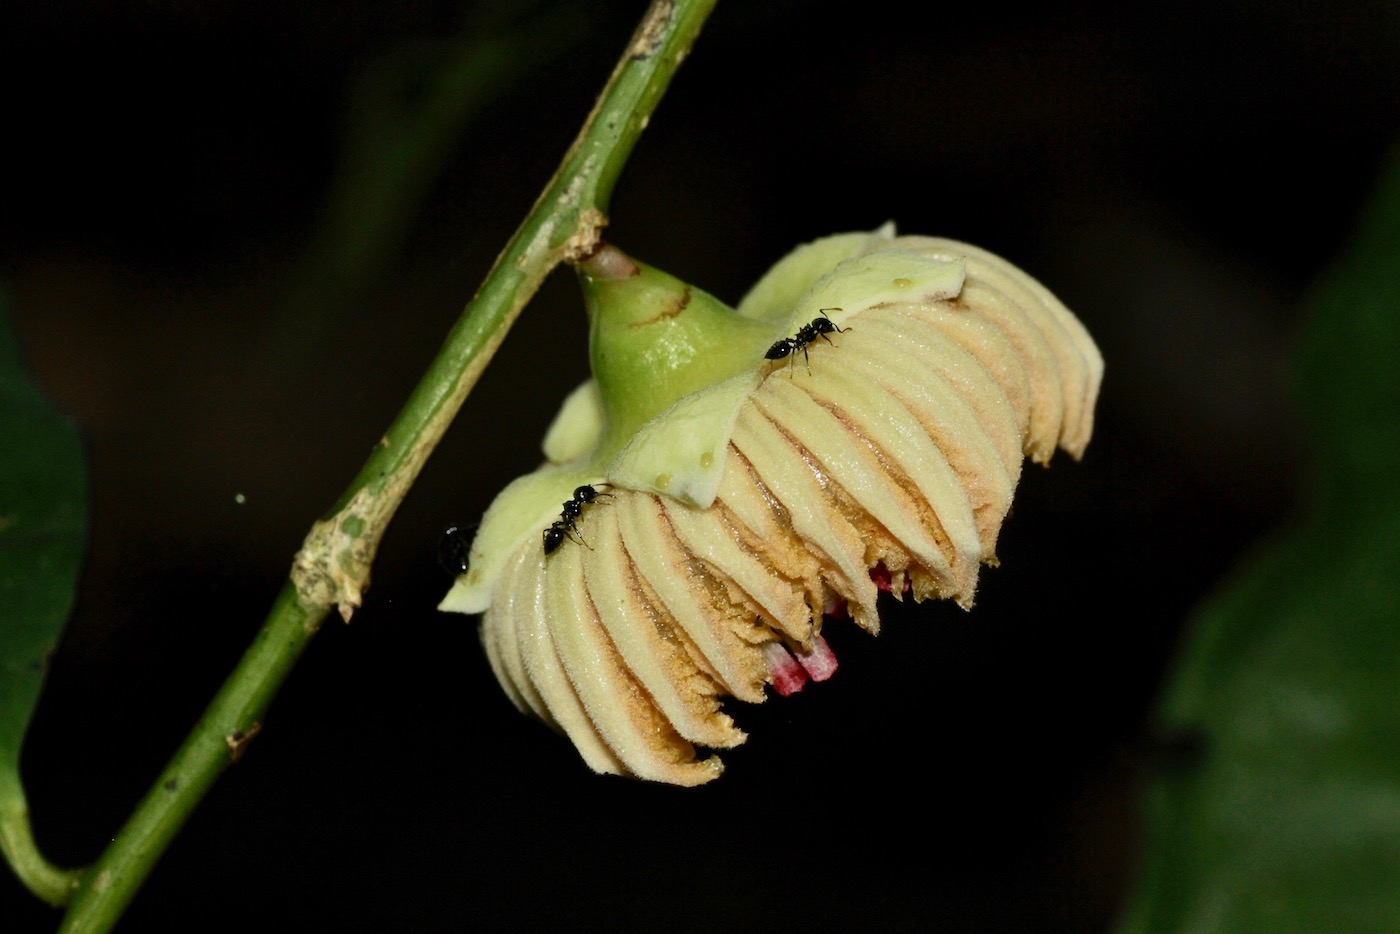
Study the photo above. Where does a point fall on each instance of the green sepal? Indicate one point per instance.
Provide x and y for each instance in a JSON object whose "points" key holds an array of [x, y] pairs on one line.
{"points": [[781, 290], [577, 426], [526, 507], [881, 278], [654, 339], [681, 452]]}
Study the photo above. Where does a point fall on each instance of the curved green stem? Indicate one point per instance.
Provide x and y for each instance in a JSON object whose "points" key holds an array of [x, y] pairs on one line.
{"points": [[43, 878], [232, 719], [332, 568]]}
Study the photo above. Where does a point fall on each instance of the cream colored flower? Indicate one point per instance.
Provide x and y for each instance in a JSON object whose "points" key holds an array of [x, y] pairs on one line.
{"points": [[740, 497]]}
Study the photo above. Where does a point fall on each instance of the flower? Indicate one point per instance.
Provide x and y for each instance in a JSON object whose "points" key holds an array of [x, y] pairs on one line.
{"points": [[731, 475]]}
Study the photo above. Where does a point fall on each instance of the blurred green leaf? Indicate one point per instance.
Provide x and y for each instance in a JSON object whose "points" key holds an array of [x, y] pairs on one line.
{"points": [[43, 515], [409, 109], [1278, 808]]}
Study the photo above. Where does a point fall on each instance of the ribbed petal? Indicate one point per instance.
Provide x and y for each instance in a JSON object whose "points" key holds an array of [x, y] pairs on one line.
{"points": [[798, 482], [503, 647], [975, 464], [1078, 358], [649, 646], [625, 717], [687, 593], [545, 670], [945, 452], [736, 557]]}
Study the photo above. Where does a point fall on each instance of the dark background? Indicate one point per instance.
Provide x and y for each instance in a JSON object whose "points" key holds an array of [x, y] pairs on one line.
{"points": [[1176, 172]]}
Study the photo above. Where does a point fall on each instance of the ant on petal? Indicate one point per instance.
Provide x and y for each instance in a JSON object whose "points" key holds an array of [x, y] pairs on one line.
{"points": [[818, 327], [566, 526], [554, 535], [587, 494]]}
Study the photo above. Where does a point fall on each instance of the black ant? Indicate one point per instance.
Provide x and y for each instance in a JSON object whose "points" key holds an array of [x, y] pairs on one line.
{"points": [[554, 535], [568, 518], [819, 327], [454, 550]]}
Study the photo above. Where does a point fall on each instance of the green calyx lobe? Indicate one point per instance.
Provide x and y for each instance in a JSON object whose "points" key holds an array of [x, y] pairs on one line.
{"points": [[658, 346], [654, 340]]}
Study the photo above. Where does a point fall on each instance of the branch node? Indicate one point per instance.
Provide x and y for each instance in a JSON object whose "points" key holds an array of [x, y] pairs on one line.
{"points": [[238, 741], [587, 239]]}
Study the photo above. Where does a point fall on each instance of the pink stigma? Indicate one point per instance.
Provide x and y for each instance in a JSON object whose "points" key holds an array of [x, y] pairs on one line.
{"points": [[885, 580], [790, 674]]}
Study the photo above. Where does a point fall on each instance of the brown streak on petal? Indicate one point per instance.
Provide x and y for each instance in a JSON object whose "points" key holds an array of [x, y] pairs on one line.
{"points": [[1037, 356], [767, 526], [706, 679], [943, 490], [878, 501], [739, 561], [761, 527], [792, 585], [925, 403], [624, 714], [799, 483], [649, 648], [697, 603], [1045, 398], [1081, 364], [930, 328], [905, 362]]}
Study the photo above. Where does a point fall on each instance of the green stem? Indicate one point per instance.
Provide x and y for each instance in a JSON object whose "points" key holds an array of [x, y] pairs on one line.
{"points": [[220, 737], [44, 879], [333, 566]]}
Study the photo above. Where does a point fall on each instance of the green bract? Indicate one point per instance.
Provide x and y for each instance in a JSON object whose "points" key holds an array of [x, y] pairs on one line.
{"points": [[672, 366]]}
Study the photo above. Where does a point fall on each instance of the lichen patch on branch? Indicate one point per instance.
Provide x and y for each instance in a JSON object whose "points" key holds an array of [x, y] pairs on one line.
{"points": [[652, 31]]}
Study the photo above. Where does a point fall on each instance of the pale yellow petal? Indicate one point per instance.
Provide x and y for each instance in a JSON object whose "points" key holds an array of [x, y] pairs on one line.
{"points": [[498, 635], [911, 352], [949, 549], [681, 587], [624, 715], [1082, 394], [545, 669], [650, 650], [798, 482], [744, 562], [1037, 358], [946, 446], [1079, 360]]}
